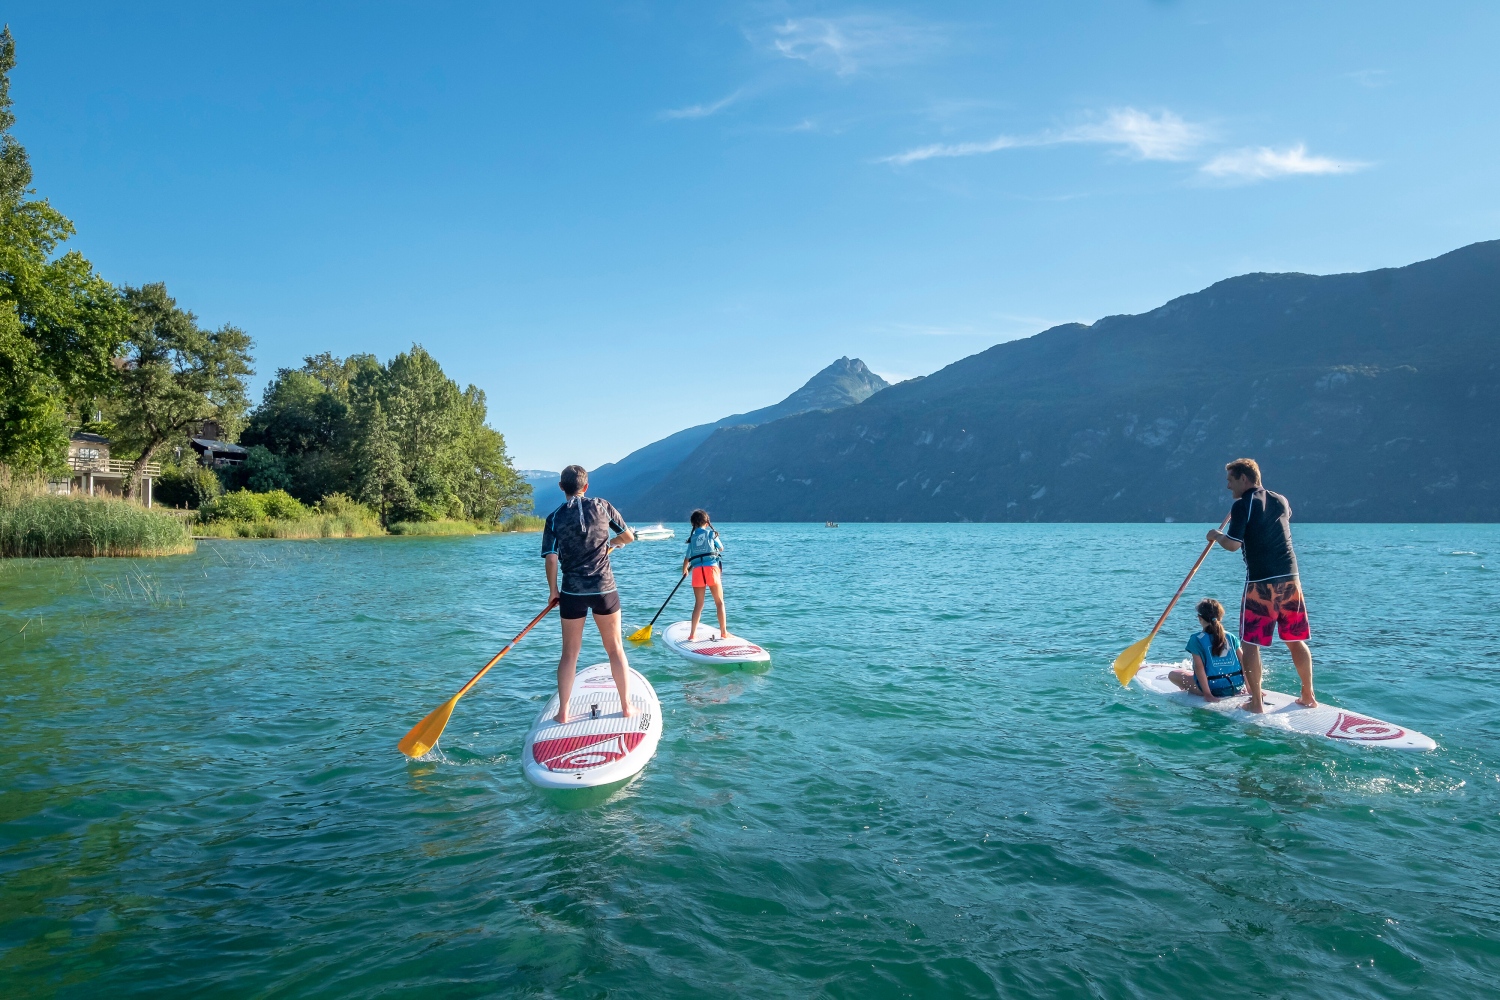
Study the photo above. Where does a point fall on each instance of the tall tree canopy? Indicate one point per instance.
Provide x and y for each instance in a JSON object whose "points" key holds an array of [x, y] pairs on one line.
{"points": [[60, 323], [400, 436], [175, 375]]}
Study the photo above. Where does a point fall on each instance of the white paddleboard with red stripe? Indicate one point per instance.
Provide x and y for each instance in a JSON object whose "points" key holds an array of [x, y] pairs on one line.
{"points": [[711, 646], [597, 745], [1283, 712]]}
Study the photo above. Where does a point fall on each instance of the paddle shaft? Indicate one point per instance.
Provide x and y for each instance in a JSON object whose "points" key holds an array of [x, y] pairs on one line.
{"points": [[486, 668], [667, 601], [1187, 580]]}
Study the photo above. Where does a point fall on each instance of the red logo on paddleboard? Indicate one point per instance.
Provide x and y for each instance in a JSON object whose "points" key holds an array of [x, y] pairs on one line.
{"points": [[579, 753], [726, 650], [1357, 727]]}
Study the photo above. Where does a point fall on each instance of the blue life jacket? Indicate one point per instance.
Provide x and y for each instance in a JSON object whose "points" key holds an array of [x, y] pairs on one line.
{"points": [[1225, 676], [703, 547]]}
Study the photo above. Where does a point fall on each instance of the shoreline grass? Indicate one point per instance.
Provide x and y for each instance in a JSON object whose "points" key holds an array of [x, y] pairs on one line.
{"points": [[523, 522], [311, 526], [34, 523], [444, 527]]}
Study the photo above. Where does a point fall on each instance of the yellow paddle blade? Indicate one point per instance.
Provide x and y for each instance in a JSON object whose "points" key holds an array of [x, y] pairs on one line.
{"points": [[424, 735], [1128, 662], [640, 635]]}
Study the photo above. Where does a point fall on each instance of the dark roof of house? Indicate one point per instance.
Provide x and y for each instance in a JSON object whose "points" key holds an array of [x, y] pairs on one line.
{"points": [[219, 446], [90, 438]]}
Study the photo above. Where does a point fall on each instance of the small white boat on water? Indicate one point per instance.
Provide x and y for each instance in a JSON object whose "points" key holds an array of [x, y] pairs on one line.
{"points": [[655, 533]]}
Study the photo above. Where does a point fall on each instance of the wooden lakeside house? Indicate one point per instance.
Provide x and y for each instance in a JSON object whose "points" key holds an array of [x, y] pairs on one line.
{"points": [[92, 472], [217, 454]]}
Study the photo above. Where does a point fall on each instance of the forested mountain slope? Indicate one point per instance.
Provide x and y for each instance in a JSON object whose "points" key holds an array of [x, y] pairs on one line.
{"points": [[1366, 397]]}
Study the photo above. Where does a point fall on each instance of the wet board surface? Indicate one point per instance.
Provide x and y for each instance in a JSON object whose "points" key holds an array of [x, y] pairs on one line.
{"points": [[592, 750], [710, 646], [1283, 712]]}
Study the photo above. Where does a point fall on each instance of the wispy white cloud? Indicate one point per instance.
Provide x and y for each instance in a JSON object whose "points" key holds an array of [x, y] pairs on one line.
{"points": [[1162, 136], [703, 110], [849, 44], [1263, 163]]}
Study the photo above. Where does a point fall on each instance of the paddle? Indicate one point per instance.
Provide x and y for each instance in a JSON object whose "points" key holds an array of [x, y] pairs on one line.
{"points": [[1128, 662], [644, 634], [424, 735]]}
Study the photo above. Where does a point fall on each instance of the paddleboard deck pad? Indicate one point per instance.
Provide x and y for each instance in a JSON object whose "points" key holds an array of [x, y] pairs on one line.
{"points": [[710, 646], [1283, 712], [597, 745]]}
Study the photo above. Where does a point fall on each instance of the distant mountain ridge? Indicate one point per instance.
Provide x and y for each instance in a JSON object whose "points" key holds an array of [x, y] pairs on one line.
{"points": [[1366, 397], [845, 382]]}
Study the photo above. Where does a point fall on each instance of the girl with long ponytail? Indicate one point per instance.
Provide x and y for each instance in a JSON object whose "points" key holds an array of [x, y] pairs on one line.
{"points": [[1216, 669]]}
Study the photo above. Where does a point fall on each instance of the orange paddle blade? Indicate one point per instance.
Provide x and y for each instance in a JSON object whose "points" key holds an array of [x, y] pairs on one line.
{"points": [[424, 735], [1128, 662]]}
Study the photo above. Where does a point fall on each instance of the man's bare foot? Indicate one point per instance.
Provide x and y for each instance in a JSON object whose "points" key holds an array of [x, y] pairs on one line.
{"points": [[1255, 706], [1307, 701]]}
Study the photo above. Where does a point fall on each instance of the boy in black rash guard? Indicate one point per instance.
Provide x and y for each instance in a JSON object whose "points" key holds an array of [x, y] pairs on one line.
{"points": [[575, 538], [1260, 529]]}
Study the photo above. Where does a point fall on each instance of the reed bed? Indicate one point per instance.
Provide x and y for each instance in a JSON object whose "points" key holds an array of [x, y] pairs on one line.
{"points": [[36, 523], [523, 522]]}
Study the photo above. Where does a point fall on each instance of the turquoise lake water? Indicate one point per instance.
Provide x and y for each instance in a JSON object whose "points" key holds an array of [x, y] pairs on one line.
{"points": [[936, 789]]}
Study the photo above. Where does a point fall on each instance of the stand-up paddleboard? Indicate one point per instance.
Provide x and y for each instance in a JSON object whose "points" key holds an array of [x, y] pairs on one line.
{"points": [[1283, 712], [710, 646], [597, 745]]}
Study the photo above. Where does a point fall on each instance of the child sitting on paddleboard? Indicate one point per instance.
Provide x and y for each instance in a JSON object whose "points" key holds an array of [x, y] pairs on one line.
{"points": [[1216, 669], [702, 560]]}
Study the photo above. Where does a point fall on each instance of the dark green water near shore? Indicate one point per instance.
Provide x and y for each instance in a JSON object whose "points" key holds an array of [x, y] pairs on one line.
{"points": [[200, 793]]}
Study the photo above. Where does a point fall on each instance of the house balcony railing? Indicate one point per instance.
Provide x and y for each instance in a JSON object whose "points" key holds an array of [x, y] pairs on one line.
{"points": [[109, 466]]}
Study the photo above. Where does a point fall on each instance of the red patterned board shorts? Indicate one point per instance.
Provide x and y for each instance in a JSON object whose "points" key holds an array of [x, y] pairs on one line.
{"points": [[1273, 604]]}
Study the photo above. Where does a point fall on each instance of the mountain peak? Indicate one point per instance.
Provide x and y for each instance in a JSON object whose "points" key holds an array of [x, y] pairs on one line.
{"points": [[845, 382]]}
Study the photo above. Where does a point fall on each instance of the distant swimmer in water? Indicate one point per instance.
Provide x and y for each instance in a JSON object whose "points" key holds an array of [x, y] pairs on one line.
{"points": [[1260, 529], [703, 560], [576, 539], [1216, 669]]}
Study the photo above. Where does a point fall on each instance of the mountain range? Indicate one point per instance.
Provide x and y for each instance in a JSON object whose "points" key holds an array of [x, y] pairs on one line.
{"points": [[1366, 397]]}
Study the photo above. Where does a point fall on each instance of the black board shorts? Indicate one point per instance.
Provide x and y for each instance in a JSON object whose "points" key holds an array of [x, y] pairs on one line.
{"points": [[579, 605]]}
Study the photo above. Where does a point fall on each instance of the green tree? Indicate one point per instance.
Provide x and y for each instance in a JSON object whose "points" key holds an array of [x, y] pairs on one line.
{"points": [[60, 323], [174, 375], [382, 483], [487, 482]]}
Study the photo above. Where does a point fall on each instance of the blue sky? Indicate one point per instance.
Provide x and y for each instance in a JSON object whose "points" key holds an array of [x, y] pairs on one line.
{"points": [[623, 219]]}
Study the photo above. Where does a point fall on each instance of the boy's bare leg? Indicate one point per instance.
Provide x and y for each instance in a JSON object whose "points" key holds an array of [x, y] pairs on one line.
{"points": [[609, 634], [1250, 663], [567, 664], [1302, 659]]}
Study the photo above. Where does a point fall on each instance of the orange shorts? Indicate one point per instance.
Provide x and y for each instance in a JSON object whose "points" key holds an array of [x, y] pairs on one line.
{"points": [[705, 576]]}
